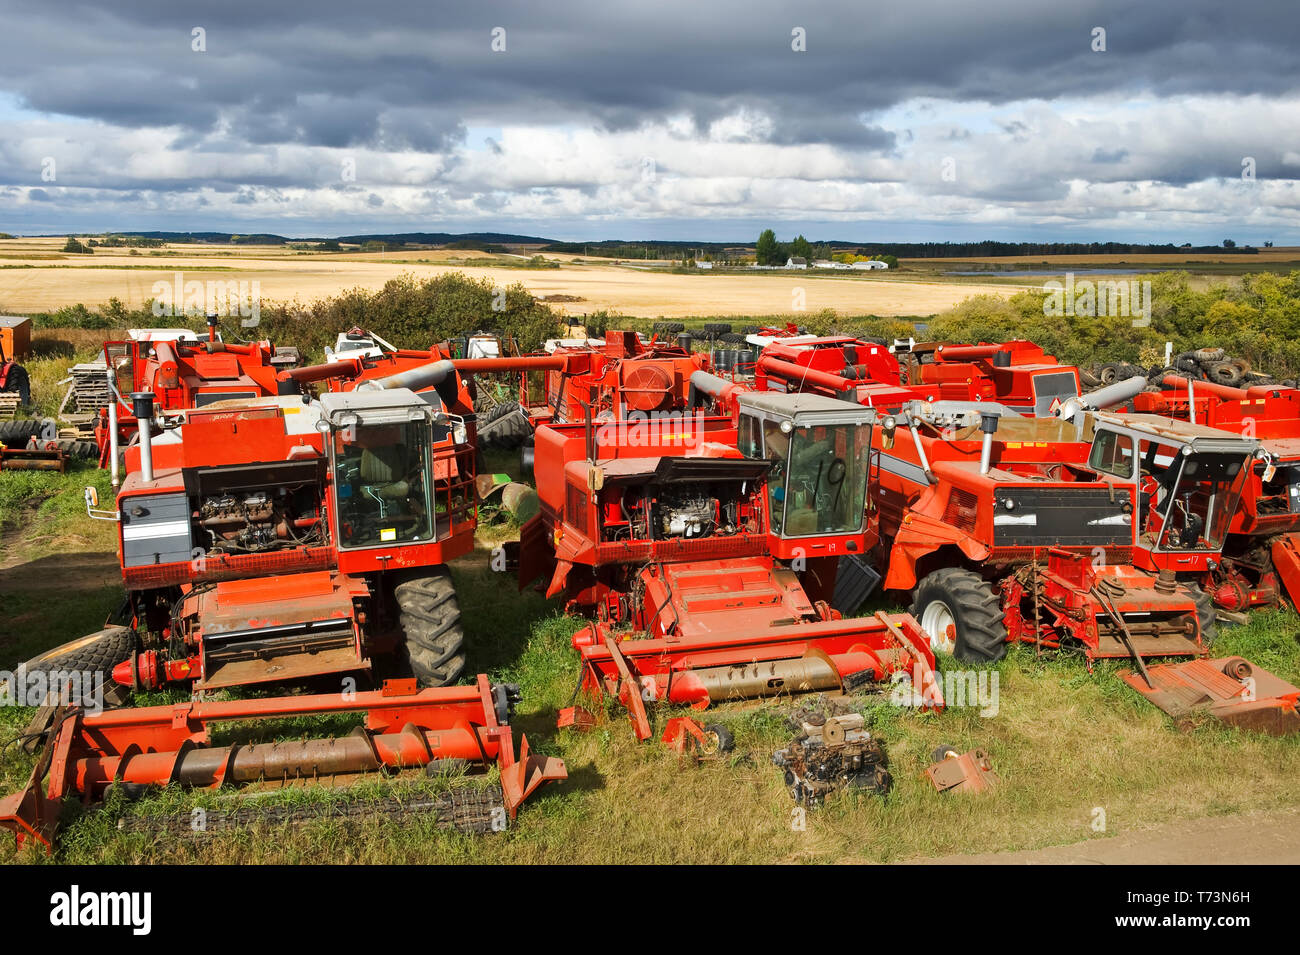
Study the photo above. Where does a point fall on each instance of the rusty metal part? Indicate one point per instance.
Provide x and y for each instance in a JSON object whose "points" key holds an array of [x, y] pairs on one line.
{"points": [[1231, 689], [970, 772], [33, 459]]}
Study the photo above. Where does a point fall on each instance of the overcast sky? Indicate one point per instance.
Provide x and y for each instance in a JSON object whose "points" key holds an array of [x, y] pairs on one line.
{"points": [[900, 121]]}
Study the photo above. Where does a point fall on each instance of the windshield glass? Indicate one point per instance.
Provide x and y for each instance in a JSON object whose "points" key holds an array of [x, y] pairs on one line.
{"points": [[818, 484], [383, 488], [1203, 499]]}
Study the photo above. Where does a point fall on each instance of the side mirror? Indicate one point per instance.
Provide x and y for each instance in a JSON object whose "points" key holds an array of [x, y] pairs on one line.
{"points": [[92, 498]]}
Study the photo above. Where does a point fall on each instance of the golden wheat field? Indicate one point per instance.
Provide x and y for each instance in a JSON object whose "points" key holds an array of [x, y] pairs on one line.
{"points": [[35, 276]]}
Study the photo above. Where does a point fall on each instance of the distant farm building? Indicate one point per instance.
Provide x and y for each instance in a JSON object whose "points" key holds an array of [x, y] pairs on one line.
{"points": [[873, 264], [796, 262]]}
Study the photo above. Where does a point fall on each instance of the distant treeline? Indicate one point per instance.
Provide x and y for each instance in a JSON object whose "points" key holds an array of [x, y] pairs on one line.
{"points": [[620, 249], [941, 250]]}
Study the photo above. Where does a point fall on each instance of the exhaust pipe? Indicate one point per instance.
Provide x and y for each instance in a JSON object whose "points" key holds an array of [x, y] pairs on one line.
{"points": [[142, 408], [988, 424], [113, 399], [1113, 394]]}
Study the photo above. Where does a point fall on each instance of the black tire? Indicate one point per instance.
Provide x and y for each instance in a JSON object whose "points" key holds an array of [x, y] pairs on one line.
{"points": [[97, 652], [1109, 373], [19, 382], [981, 631], [1206, 615], [16, 434], [505, 426], [1207, 355], [718, 739], [1225, 373], [430, 616], [717, 328], [749, 330], [733, 338], [943, 752]]}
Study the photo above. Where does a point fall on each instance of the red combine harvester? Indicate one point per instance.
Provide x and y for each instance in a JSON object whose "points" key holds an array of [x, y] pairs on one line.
{"points": [[1262, 554], [1017, 374], [277, 539], [1065, 533], [624, 376], [683, 545], [182, 373]]}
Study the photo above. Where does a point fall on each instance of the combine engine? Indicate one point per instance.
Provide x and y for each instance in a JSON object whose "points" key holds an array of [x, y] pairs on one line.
{"points": [[687, 549], [1068, 533], [1261, 556]]}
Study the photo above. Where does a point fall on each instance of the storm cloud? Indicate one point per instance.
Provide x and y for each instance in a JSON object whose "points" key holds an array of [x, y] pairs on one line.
{"points": [[928, 119]]}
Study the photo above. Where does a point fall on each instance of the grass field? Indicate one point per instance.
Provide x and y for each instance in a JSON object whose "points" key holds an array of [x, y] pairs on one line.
{"points": [[1065, 742]]}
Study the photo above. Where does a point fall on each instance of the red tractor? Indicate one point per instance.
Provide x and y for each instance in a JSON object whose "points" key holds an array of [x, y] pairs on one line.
{"points": [[707, 555], [1261, 557]]}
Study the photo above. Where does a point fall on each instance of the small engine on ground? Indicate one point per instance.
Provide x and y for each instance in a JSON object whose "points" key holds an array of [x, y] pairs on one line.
{"points": [[832, 752]]}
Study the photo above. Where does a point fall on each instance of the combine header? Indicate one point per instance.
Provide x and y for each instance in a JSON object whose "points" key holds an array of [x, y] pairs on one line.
{"points": [[405, 728], [707, 554]]}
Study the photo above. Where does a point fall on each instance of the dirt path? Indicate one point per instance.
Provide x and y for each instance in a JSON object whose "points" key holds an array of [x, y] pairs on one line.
{"points": [[1257, 838]]}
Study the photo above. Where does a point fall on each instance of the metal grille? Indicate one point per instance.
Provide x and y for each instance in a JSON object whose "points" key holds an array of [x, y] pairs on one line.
{"points": [[213, 567]]}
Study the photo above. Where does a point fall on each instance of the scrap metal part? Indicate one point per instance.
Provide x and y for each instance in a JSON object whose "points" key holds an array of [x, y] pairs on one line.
{"points": [[1231, 689], [970, 772], [831, 754], [404, 728]]}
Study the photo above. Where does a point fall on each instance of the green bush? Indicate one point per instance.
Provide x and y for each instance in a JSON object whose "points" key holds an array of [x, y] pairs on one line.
{"points": [[1257, 319]]}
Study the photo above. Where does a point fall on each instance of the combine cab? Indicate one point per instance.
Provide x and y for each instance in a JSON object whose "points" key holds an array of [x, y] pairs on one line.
{"points": [[1261, 556], [707, 558]]}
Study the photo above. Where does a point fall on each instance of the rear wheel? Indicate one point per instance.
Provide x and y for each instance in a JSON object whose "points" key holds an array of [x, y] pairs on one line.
{"points": [[962, 615], [430, 618]]}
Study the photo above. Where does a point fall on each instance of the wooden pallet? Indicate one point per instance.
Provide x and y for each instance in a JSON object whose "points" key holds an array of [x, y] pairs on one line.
{"points": [[8, 405]]}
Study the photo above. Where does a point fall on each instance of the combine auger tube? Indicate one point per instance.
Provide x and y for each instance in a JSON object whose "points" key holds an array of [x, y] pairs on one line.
{"points": [[158, 745]]}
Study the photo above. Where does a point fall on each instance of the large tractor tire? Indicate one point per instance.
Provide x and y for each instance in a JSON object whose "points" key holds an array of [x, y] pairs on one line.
{"points": [[98, 652], [16, 434], [430, 617], [20, 384], [505, 426], [962, 615]]}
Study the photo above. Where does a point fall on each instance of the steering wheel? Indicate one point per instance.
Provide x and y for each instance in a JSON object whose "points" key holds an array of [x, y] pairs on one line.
{"points": [[836, 472]]}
